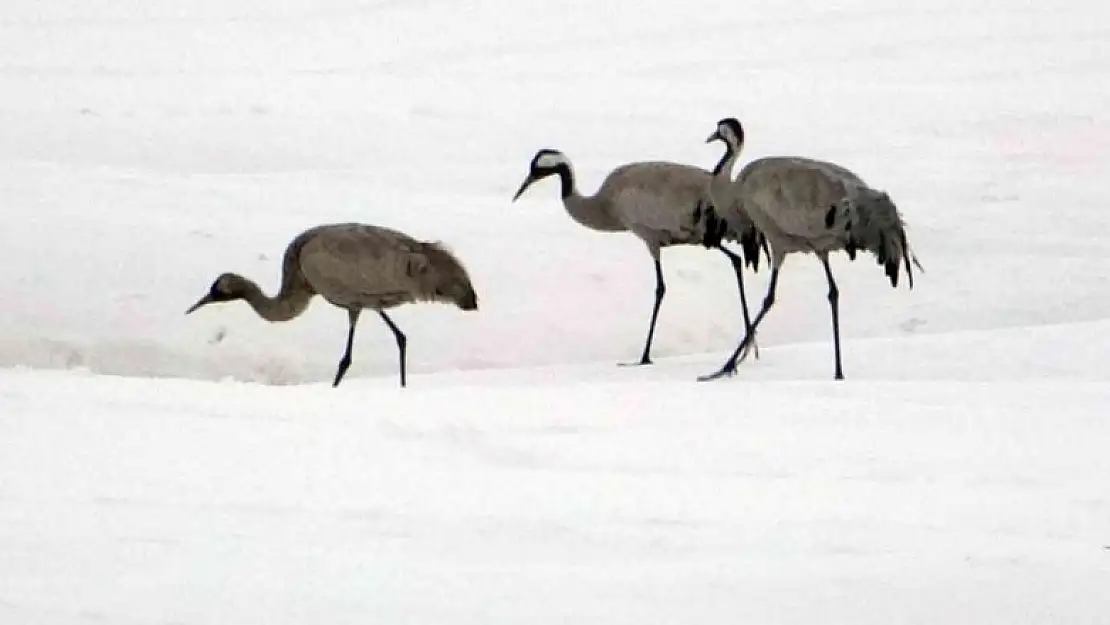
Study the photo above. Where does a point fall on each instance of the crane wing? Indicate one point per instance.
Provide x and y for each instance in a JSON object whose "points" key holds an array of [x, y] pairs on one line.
{"points": [[798, 193], [358, 265], [656, 199]]}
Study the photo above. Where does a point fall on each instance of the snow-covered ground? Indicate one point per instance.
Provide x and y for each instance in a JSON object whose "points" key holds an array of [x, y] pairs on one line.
{"points": [[158, 468]]}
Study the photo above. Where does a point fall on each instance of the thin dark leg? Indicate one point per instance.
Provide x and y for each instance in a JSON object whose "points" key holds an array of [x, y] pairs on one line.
{"points": [[345, 362], [660, 291], [834, 303], [738, 266], [402, 342], [729, 367]]}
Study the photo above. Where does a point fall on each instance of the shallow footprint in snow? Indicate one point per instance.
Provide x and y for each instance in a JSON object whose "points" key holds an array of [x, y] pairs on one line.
{"points": [[911, 324]]}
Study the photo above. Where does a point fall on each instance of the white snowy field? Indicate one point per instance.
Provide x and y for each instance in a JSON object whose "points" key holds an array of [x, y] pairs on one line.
{"points": [[928, 490], [158, 468]]}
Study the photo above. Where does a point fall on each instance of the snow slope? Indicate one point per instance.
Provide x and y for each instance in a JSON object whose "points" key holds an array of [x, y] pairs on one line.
{"points": [[958, 475]]}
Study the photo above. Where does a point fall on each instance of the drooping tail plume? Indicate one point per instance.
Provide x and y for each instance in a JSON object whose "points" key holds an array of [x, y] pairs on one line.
{"points": [[751, 241], [711, 226], [714, 229], [872, 223]]}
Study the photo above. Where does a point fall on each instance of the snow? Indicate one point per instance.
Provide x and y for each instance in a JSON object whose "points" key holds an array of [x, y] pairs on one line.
{"points": [[158, 468]]}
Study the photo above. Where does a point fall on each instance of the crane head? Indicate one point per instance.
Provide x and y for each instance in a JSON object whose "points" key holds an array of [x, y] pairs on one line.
{"points": [[226, 288], [730, 131], [545, 163]]}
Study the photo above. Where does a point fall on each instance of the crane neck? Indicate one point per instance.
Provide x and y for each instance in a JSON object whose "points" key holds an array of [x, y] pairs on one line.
{"points": [[567, 186], [728, 161], [289, 303], [591, 212]]}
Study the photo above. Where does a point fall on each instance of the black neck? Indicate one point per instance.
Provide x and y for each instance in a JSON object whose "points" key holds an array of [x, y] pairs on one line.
{"points": [[724, 159], [566, 177]]}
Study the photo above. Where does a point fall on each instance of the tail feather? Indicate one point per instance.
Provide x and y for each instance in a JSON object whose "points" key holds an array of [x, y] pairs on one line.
{"points": [[906, 255], [711, 225], [712, 229], [872, 222], [751, 241]]}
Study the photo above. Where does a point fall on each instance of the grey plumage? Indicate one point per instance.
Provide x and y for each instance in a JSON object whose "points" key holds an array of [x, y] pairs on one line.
{"points": [[355, 267], [810, 206], [652, 200]]}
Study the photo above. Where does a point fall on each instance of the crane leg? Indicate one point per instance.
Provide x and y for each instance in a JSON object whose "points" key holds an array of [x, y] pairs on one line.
{"points": [[738, 266], [402, 342], [660, 291], [729, 367], [345, 361], [834, 304]]}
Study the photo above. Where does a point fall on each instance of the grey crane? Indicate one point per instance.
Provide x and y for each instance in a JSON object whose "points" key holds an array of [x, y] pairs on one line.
{"points": [[652, 200], [810, 206], [355, 267]]}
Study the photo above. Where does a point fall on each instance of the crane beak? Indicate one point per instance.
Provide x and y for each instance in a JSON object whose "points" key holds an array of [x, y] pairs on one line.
{"points": [[716, 136], [207, 299], [524, 186]]}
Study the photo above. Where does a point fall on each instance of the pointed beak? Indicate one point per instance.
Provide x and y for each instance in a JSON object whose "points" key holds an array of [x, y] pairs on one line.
{"points": [[524, 186], [207, 299], [716, 136]]}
